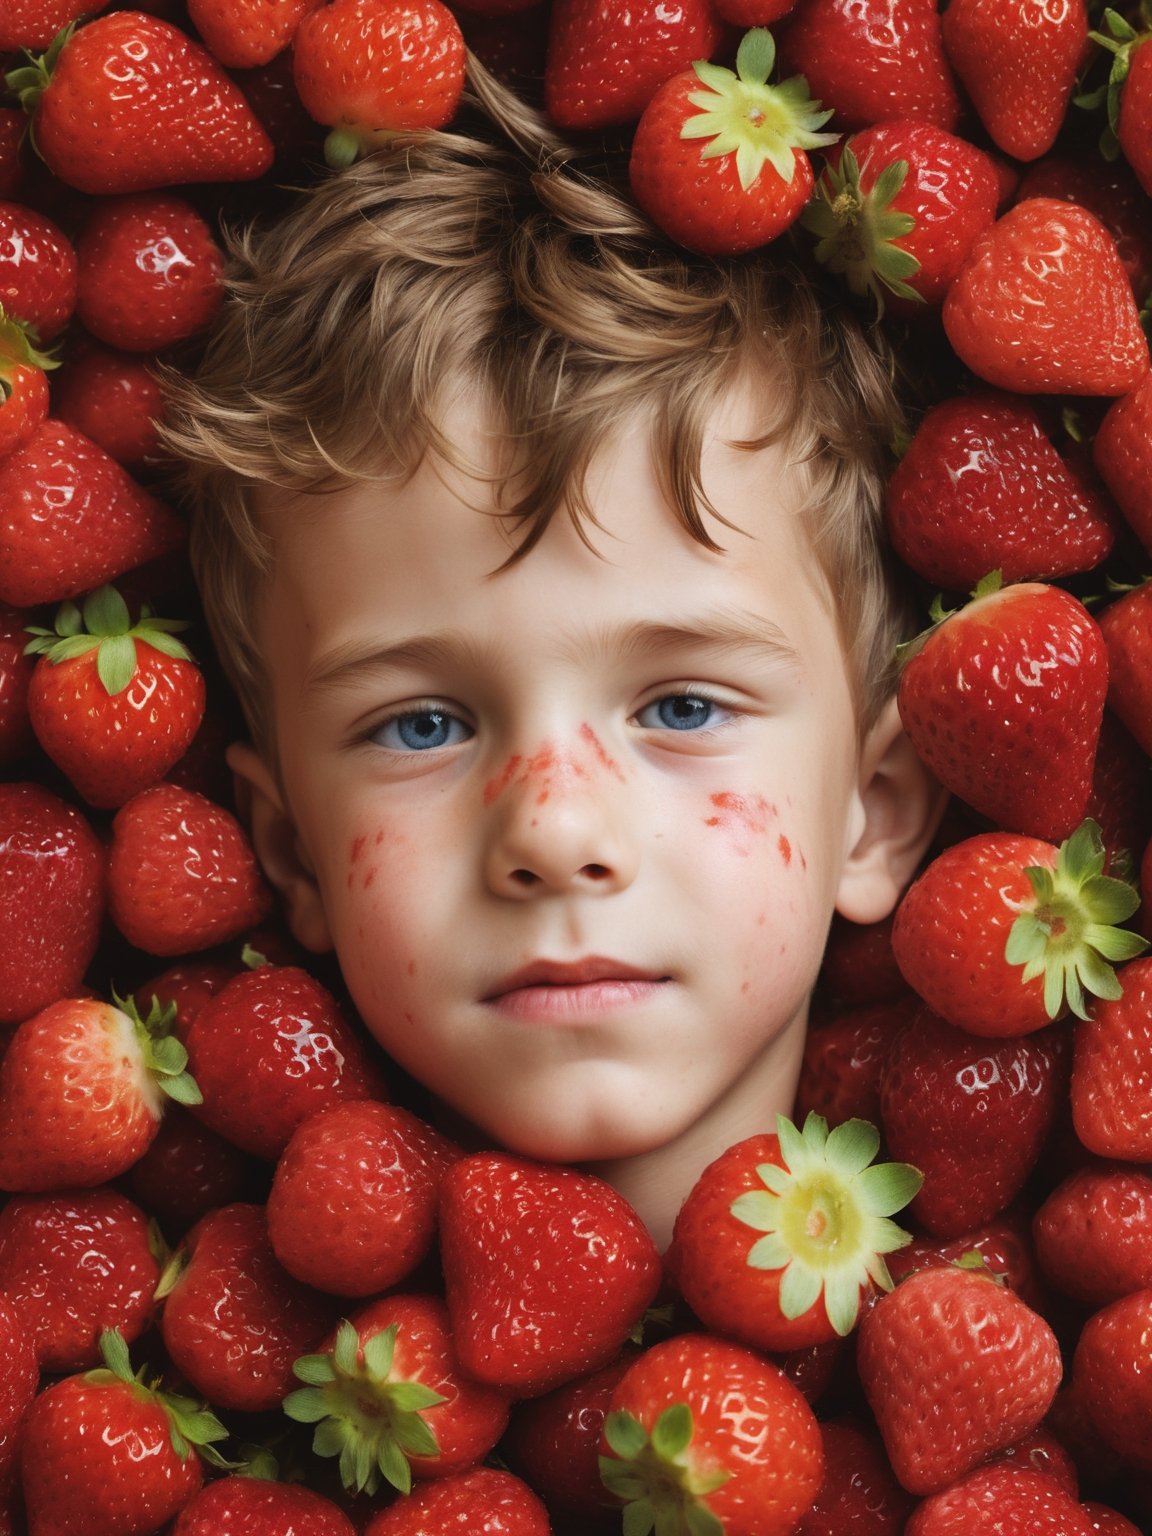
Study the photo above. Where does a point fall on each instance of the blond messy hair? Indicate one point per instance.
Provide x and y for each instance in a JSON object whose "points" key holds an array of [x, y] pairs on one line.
{"points": [[449, 258]]}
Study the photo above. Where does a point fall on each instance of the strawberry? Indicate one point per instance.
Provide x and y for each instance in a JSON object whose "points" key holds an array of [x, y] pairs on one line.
{"points": [[707, 1436], [1110, 1376], [858, 966], [1122, 454], [128, 103], [23, 386], [751, 179], [1112, 1071], [369, 69], [38, 271], [72, 519], [971, 1114], [82, 1090], [388, 1396], [1003, 701], [485, 1501], [73, 1265], [981, 488], [1040, 1451], [1093, 1234], [245, 33], [148, 272], [34, 23], [1127, 629], [188, 1171], [1001, 934], [1112, 193], [113, 704], [821, 1212], [606, 60], [251, 1506], [859, 1495], [233, 1320], [1119, 800], [1103, 1520], [272, 1049], [1004, 1244], [573, 1252], [1000, 1501], [955, 1367], [19, 1379], [1018, 62], [187, 986], [113, 398], [16, 738], [843, 1058], [11, 162], [352, 1209], [1042, 305], [51, 899], [107, 1454], [897, 209], [181, 873], [873, 60], [754, 13], [1127, 94]]}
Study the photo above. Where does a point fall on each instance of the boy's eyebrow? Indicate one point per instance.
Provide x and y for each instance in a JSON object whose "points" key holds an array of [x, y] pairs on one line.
{"points": [[732, 630]]}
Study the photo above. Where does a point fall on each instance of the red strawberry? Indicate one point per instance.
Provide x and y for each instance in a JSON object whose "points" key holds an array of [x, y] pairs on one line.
{"points": [[955, 1367], [368, 69], [1112, 193], [51, 899], [1003, 701], [1004, 1244], [1042, 305], [273, 1048], [898, 208], [821, 1212], [251, 1506], [484, 1501], [1040, 1451], [388, 1396], [352, 1209], [73, 1265], [569, 1248], [873, 60], [1128, 95], [187, 986], [750, 179], [1119, 801], [188, 1171], [606, 60], [1111, 1378], [981, 488], [702, 1428], [71, 519], [234, 1321], [181, 873], [37, 271], [843, 1058], [1112, 1071], [860, 1495], [11, 162], [82, 1090], [149, 272], [971, 1114], [754, 13], [113, 398], [1018, 62], [109, 1455], [244, 33], [113, 704], [1127, 629], [1000, 1501], [859, 966], [1103, 1520], [129, 103], [23, 386], [34, 23], [16, 738], [1122, 454], [1093, 1234], [1002, 934], [19, 1379]]}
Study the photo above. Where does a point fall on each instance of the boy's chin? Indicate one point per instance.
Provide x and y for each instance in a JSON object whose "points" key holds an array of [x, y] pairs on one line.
{"points": [[595, 1139]]}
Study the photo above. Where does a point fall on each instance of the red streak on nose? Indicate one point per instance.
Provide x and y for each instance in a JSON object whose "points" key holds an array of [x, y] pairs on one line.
{"points": [[606, 761], [785, 848], [357, 849], [502, 779]]}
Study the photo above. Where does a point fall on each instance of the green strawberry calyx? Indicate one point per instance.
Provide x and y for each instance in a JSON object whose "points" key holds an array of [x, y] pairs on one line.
{"points": [[759, 123], [653, 1474], [824, 1216], [105, 626], [1120, 40], [857, 231], [18, 349], [28, 82], [192, 1427], [1068, 934], [165, 1057], [362, 1415]]}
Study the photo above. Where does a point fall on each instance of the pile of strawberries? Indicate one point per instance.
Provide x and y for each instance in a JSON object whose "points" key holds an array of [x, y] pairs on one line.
{"points": [[242, 1290]]}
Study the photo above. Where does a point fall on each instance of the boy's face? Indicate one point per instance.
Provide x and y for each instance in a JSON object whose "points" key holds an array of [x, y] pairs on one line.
{"points": [[576, 829]]}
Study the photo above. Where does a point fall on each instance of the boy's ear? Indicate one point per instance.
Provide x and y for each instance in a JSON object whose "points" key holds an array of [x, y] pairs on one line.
{"points": [[278, 847], [899, 808]]}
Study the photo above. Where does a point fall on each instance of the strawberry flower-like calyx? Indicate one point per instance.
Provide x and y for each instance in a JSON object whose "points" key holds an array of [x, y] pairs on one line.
{"points": [[1120, 40], [105, 626], [372, 1423], [18, 349], [857, 231], [759, 123], [165, 1056], [192, 1428], [1068, 936], [654, 1475], [824, 1216]]}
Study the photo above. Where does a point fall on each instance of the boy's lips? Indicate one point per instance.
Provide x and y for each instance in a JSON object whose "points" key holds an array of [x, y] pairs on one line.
{"points": [[571, 973]]}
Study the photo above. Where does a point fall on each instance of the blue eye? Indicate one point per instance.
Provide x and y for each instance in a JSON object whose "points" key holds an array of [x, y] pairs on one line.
{"points": [[681, 712], [421, 730]]}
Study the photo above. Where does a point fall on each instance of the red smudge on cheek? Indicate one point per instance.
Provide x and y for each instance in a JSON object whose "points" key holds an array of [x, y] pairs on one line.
{"points": [[368, 878], [357, 849], [411, 967], [589, 735], [379, 838], [748, 813], [785, 848], [502, 779]]}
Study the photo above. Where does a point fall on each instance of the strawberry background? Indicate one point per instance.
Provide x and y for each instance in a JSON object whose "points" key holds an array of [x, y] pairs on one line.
{"points": [[1026, 1105]]}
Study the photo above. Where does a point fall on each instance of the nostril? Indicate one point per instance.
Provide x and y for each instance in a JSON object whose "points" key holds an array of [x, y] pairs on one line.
{"points": [[594, 871], [524, 877]]}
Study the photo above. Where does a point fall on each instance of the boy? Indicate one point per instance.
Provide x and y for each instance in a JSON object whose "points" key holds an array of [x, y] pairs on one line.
{"points": [[544, 559]]}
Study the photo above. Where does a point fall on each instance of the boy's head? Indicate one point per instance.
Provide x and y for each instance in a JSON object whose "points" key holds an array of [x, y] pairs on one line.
{"points": [[545, 560]]}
